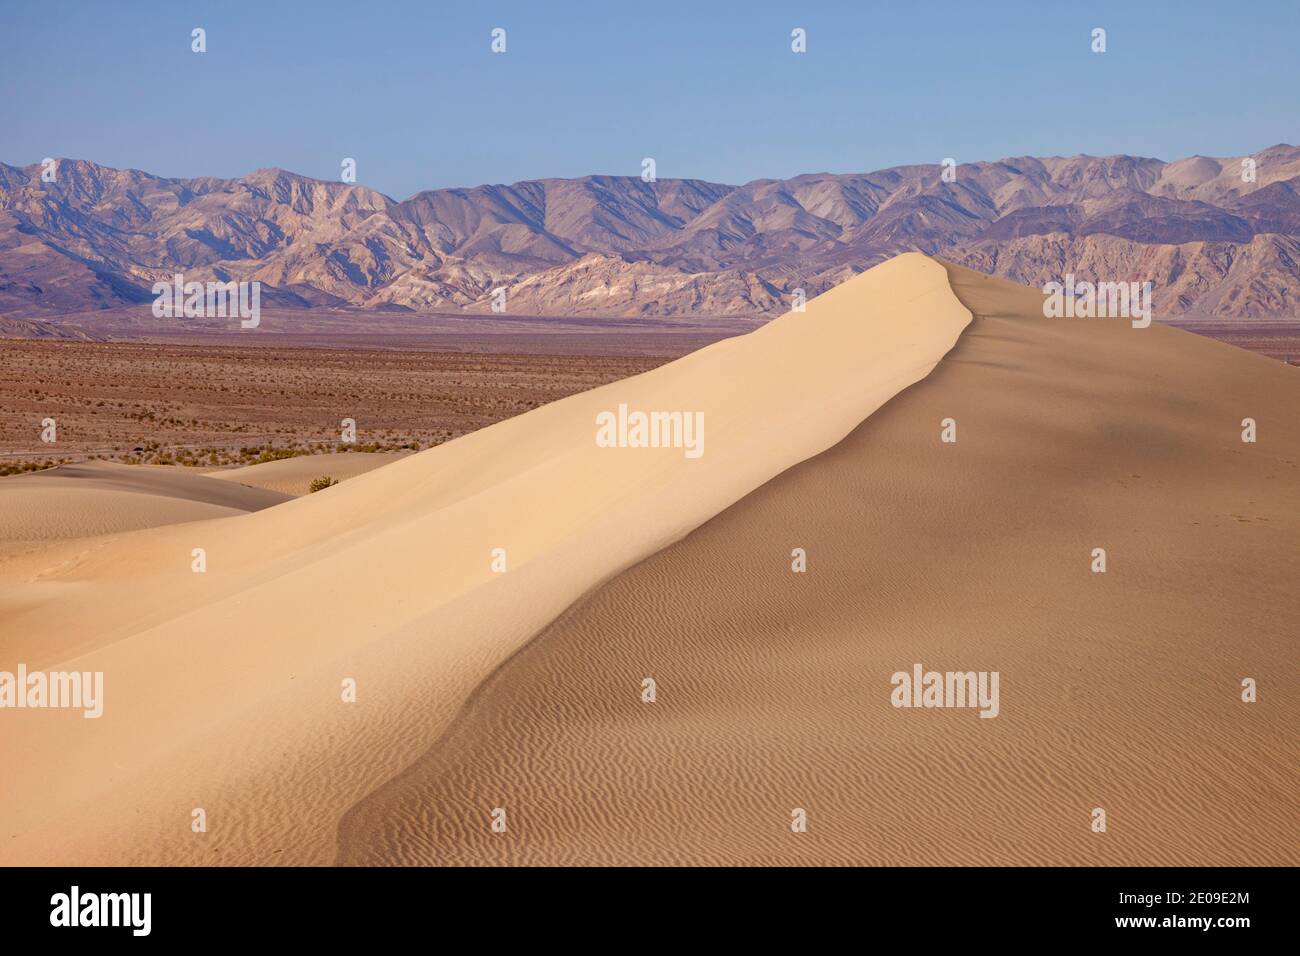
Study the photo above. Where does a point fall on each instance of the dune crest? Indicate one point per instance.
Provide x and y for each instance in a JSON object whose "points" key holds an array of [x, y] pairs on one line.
{"points": [[222, 689]]}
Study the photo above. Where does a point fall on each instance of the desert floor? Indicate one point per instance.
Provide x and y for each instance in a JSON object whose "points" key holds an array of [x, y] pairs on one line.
{"points": [[205, 405]]}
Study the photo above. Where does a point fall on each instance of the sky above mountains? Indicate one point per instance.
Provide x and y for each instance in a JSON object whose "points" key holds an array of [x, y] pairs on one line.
{"points": [[413, 92]]}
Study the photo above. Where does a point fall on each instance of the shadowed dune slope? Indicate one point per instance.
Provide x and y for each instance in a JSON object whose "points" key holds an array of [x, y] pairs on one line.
{"points": [[226, 690], [1118, 690]]}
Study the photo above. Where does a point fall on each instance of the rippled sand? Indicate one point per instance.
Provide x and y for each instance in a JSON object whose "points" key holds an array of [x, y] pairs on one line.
{"points": [[1118, 691]]}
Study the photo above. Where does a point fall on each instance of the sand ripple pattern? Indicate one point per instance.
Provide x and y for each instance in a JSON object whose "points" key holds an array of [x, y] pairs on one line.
{"points": [[1118, 691]]}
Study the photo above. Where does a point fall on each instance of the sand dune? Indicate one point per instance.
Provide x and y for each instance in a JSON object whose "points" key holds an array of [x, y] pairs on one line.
{"points": [[1119, 690], [222, 689], [100, 497], [293, 476]]}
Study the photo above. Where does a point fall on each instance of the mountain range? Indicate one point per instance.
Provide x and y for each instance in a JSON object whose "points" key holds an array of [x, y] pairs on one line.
{"points": [[1212, 240]]}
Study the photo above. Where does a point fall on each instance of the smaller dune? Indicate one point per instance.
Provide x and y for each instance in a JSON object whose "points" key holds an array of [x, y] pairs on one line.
{"points": [[293, 476], [100, 497]]}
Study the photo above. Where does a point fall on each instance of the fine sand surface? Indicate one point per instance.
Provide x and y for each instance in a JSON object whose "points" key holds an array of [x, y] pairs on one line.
{"points": [[100, 497], [1118, 691], [223, 690], [293, 476]]}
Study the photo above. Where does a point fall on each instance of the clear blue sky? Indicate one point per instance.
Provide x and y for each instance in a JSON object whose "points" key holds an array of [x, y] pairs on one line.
{"points": [[709, 89]]}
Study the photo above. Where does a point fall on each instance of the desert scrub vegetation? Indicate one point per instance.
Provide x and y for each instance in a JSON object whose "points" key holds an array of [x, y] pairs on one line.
{"points": [[155, 452], [260, 455], [382, 446], [25, 467], [320, 484]]}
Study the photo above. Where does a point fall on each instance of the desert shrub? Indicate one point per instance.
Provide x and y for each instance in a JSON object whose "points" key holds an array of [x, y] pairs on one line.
{"points": [[259, 455], [320, 484], [22, 468]]}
